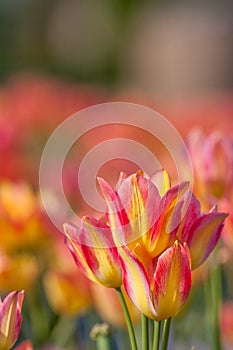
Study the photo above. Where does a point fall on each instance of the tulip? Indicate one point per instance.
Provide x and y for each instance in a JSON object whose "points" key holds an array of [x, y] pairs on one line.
{"points": [[67, 293], [137, 214], [10, 319], [93, 251], [23, 265], [212, 159], [200, 231], [159, 291], [21, 218], [142, 220], [66, 288]]}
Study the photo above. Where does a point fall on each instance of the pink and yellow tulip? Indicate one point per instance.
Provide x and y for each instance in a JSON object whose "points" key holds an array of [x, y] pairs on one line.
{"points": [[212, 159], [200, 231], [154, 233], [10, 319], [161, 289], [93, 251], [141, 219]]}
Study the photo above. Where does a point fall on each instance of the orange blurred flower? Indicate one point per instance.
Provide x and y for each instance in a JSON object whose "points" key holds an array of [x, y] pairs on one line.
{"points": [[67, 293], [66, 288], [24, 242], [21, 218]]}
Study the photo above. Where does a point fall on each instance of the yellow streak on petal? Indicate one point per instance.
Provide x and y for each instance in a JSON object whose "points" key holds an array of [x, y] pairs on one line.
{"points": [[161, 180], [170, 300]]}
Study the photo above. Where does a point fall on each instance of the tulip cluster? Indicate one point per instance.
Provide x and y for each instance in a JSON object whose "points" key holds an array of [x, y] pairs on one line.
{"points": [[152, 237]]}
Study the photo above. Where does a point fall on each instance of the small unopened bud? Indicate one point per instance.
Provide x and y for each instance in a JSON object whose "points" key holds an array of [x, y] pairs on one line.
{"points": [[100, 329], [101, 334]]}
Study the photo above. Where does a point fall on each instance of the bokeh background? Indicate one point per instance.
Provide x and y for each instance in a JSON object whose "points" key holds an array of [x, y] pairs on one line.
{"points": [[59, 56]]}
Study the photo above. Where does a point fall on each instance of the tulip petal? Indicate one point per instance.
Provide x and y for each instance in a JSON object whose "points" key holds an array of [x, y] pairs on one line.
{"points": [[192, 212], [171, 209], [142, 205], [204, 235], [10, 318], [116, 214], [136, 282], [95, 258], [121, 177], [161, 180], [172, 281]]}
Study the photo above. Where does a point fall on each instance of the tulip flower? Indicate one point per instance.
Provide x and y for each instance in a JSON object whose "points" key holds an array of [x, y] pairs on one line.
{"points": [[142, 220], [212, 159], [67, 293], [67, 289], [159, 291], [21, 218], [153, 235], [93, 251], [137, 214], [200, 231], [10, 319]]}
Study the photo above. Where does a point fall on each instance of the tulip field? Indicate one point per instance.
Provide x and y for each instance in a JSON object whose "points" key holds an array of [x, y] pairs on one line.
{"points": [[151, 269]]}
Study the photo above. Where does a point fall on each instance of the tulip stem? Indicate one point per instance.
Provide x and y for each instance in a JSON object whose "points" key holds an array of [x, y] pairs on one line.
{"points": [[215, 286], [166, 330], [128, 320], [156, 337], [208, 313], [145, 334]]}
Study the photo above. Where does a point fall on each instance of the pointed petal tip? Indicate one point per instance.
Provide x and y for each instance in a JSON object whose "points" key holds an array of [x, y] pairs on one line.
{"points": [[70, 230], [107, 190]]}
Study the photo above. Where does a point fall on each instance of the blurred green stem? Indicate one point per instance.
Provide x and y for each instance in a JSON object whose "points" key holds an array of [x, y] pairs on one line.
{"points": [[166, 331], [216, 295], [145, 334], [62, 331], [156, 337], [128, 320]]}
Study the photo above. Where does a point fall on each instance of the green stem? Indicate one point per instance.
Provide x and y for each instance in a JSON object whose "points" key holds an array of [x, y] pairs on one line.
{"points": [[145, 334], [156, 338], [62, 331], [166, 331], [128, 320], [209, 309], [216, 294]]}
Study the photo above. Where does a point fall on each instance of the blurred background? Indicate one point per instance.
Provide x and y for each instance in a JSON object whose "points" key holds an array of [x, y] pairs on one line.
{"points": [[169, 48], [59, 56]]}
